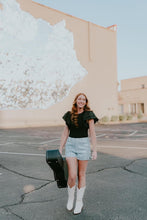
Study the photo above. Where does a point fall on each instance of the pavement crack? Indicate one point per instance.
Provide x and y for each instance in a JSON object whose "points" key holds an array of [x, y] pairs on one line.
{"points": [[125, 167], [131, 171], [36, 189], [20, 174], [24, 195], [44, 201], [12, 213], [103, 169]]}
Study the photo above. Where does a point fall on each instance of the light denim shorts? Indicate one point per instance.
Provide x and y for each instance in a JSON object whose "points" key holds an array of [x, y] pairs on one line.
{"points": [[78, 147]]}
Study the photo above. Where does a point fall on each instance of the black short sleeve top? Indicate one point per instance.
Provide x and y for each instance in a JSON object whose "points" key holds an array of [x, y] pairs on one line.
{"points": [[83, 126]]}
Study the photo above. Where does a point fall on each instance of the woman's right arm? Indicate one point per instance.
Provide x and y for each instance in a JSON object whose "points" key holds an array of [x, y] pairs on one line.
{"points": [[64, 137]]}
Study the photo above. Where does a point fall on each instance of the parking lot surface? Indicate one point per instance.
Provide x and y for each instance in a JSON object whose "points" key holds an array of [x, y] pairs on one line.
{"points": [[116, 181]]}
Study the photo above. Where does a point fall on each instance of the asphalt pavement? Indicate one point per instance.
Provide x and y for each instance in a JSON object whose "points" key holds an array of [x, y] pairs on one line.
{"points": [[116, 181]]}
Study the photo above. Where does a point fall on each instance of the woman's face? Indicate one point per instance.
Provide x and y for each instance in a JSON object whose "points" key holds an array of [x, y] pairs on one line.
{"points": [[81, 101]]}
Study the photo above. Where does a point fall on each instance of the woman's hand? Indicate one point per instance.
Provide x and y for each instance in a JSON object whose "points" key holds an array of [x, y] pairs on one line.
{"points": [[60, 150], [94, 155], [93, 139]]}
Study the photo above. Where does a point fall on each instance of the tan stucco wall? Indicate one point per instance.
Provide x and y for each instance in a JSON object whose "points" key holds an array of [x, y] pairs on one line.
{"points": [[132, 92], [97, 52], [134, 83]]}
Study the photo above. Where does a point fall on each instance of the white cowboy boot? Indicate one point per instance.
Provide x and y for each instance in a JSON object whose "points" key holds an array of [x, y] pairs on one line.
{"points": [[79, 200], [71, 192]]}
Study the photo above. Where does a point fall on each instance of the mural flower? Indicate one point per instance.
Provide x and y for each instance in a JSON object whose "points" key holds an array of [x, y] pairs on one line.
{"points": [[38, 63]]}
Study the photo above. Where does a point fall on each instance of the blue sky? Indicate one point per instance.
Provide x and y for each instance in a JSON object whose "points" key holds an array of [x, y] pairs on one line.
{"points": [[131, 19]]}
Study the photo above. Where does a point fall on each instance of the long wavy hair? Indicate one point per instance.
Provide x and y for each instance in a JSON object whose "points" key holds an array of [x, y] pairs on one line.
{"points": [[74, 110]]}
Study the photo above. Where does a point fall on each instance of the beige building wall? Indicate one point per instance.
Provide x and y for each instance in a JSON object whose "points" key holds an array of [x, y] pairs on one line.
{"points": [[133, 95], [97, 52]]}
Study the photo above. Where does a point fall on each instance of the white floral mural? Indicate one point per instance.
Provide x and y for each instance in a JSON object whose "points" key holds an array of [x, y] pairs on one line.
{"points": [[38, 63]]}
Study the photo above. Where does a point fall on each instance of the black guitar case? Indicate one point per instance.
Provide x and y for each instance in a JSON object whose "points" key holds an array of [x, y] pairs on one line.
{"points": [[59, 166]]}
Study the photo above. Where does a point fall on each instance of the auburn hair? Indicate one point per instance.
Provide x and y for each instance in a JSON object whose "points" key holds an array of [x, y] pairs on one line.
{"points": [[74, 110]]}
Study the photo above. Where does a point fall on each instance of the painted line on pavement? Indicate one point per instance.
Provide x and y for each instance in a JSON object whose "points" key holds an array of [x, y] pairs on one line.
{"points": [[124, 139], [98, 147], [118, 147], [50, 141], [17, 142], [7, 143], [24, 154], [132, 133], [138, 135], [100, 135]]}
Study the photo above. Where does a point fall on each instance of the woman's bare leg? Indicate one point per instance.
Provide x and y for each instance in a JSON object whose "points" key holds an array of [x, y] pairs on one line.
{"points": [[72, 170], [72, 175], [82, 166]]}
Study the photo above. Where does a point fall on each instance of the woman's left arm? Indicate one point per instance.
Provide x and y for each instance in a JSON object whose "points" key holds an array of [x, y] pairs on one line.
{"points": [[93, 138]]}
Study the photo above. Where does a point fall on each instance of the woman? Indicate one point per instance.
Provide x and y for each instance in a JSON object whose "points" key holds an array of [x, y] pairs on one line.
{"points": [[77, 147]]}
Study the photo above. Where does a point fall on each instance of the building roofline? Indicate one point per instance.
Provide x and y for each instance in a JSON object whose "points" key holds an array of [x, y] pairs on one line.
{"points": [[109, 28], [138, 77]]}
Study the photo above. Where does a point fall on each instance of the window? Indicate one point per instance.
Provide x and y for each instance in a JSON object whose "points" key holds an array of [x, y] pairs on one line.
{"points": [[121, 109], [133, 108], [142, 86], [141, 108]]}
